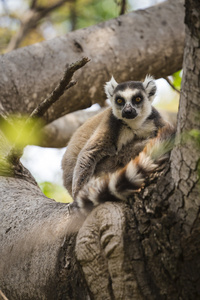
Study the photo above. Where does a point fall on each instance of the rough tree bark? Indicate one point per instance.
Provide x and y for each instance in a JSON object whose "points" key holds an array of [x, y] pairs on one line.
{"points": [[147, 248], [29, 74]]}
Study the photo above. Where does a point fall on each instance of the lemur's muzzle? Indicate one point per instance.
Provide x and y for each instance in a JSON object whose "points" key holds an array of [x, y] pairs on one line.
{"points": [[129, 112]]}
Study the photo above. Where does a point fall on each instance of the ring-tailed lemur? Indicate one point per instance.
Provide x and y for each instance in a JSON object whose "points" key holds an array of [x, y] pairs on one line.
{"points": [[109, 140]]}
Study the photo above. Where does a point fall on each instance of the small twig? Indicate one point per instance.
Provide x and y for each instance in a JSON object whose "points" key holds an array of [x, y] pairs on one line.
{"points": [[2, 296], [123, 7], [64, 84], [171, 84], [122, 4]]}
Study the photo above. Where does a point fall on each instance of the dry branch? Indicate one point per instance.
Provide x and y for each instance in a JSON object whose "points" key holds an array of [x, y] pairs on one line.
{"points": [[64, 84]]}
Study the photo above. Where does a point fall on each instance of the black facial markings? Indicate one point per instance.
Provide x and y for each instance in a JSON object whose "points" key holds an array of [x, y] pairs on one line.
{"points": [[136, 96], [149, 83], [153, 91], [119, 97], [129, 84]]}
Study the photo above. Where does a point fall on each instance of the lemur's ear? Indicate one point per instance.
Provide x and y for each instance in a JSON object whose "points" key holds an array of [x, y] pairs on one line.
{"points": [[150, 87], [110, 86]]}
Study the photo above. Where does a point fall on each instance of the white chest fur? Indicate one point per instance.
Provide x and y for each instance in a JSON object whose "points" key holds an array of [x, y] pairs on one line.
{"points": [[127, 134]]}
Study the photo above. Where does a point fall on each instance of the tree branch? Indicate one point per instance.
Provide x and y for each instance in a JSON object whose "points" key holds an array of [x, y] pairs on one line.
{"points": [[171, 84]]}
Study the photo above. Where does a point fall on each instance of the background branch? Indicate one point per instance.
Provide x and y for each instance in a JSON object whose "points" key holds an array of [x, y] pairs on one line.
{"points": [[171, 84]]}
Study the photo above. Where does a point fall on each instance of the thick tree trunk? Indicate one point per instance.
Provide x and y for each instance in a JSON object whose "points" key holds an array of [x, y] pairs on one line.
{"points": [[141, 42], [147, 248]]}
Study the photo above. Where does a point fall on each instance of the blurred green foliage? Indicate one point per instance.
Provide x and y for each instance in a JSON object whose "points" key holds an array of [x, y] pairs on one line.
{"points": [[15, 134], [83, 13], [55, 191], [176, 78], [21, 133]]}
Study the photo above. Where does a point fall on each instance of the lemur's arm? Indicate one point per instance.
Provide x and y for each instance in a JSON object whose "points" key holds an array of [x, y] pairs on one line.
{"points": [[98, 146]]}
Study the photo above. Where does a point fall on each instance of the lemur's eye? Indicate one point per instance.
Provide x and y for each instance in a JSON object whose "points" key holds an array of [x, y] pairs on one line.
{"points": [[119, 101], [138, 99]]}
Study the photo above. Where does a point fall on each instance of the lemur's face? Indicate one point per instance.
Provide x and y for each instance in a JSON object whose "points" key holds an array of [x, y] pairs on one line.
{"points": [[131, 100]]}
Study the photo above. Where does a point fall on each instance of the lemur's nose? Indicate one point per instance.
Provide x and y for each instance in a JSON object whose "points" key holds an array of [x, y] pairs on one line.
{"points": [[129, 112]]}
